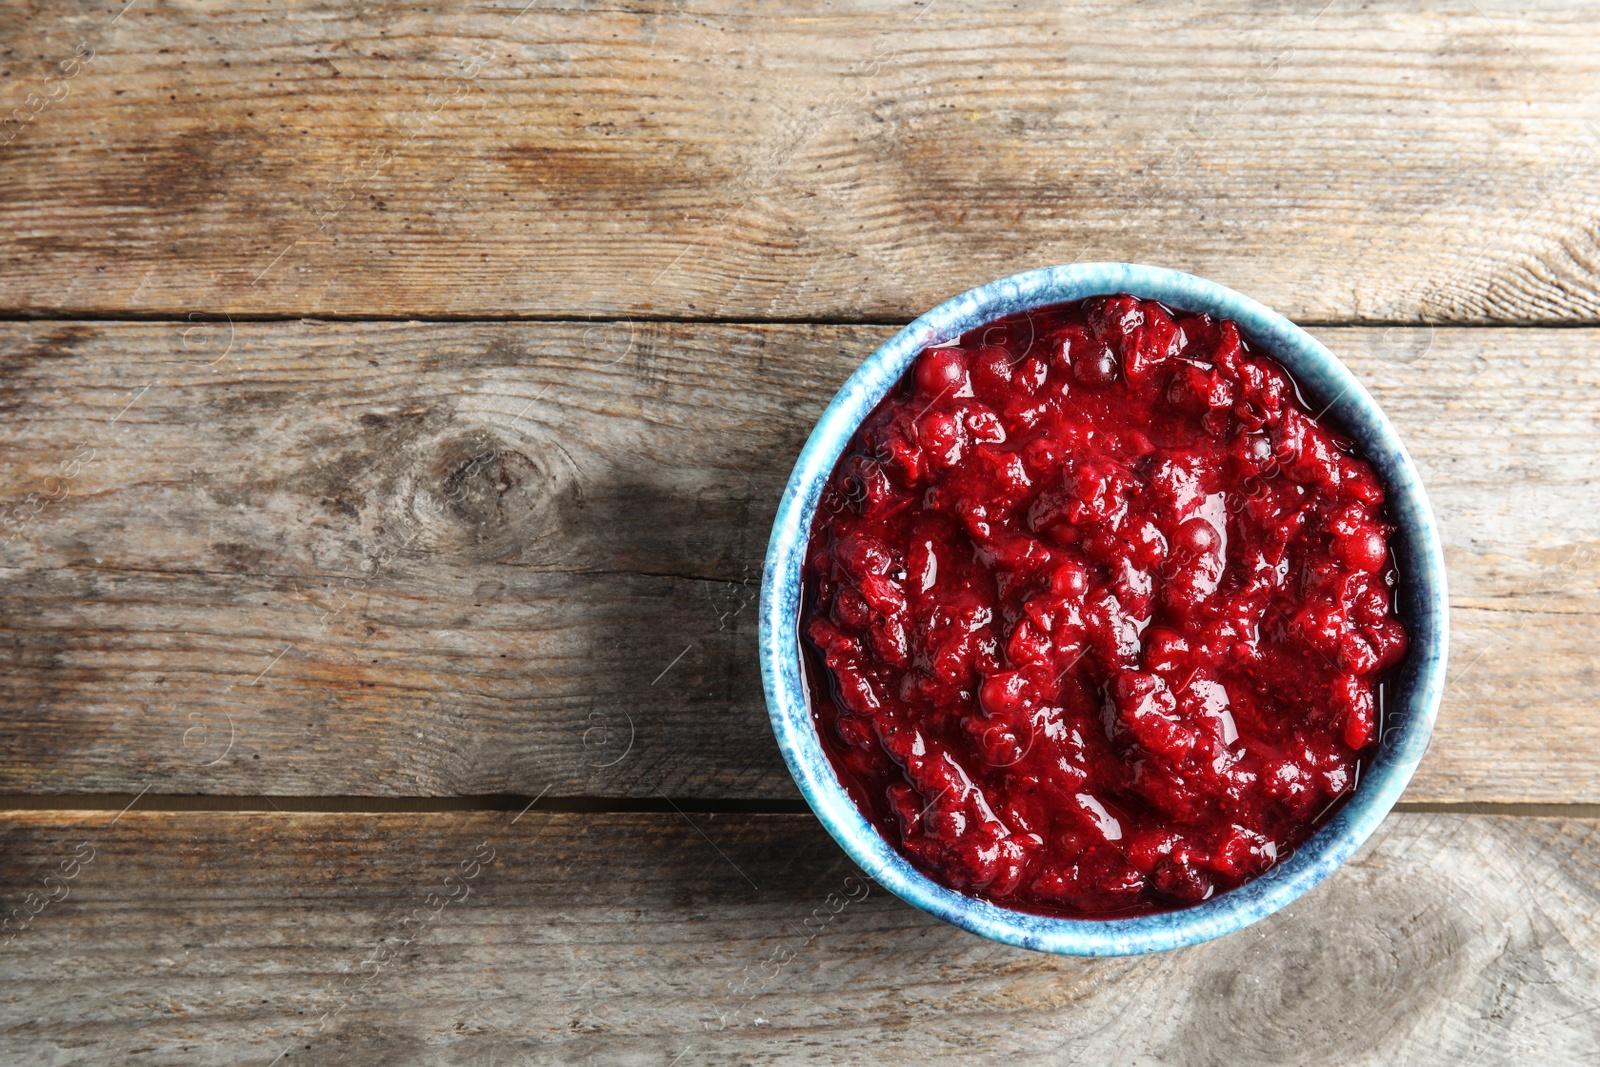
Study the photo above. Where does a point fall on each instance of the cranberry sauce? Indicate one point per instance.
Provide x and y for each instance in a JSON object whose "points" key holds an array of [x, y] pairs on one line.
{"points": [[1097, 611]]}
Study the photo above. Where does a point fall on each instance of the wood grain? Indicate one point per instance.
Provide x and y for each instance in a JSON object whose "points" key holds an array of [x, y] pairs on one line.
{"points": [[483, 558], [654, 939], [1380, 162]]}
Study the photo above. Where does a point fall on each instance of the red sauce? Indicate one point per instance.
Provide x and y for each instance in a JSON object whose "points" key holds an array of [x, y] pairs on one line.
{"points": [[1098, 611]]}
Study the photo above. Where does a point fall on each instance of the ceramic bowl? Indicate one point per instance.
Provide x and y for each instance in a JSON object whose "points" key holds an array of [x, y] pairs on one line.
{"points": [[1411, 706]]}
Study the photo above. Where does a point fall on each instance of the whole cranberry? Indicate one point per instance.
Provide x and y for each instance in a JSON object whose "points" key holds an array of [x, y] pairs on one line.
{"points": [[941, 434], [1196, 537], [992, 370], [1364, 549], [941, 371], [1070, 581], [1098, 366], [1004, 695]]}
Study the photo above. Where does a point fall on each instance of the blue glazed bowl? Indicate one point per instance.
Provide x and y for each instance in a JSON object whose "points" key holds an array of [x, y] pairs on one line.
{"points": [[1409, 716]]}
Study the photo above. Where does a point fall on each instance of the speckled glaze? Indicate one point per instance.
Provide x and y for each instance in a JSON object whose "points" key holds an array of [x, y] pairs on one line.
{"points": [[1409, 716]]}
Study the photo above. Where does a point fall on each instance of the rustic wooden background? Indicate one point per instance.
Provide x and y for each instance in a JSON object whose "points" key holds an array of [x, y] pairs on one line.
{"points": [[395, 400]]}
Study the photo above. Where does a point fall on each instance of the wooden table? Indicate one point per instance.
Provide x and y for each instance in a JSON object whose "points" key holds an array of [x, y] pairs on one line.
{"points": [[396, 400]]}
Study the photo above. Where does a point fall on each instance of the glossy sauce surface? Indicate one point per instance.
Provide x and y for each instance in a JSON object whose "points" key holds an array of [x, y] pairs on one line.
{"points": [[1097, 611]]}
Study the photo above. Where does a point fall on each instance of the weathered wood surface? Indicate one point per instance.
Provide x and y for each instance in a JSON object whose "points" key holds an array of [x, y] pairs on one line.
{"points": [[465, 559], [661, 939], [1395, 161]]}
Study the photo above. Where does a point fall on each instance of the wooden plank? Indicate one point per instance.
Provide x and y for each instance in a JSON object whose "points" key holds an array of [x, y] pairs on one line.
{"points": [[1392, 162], [460, 939], [474, 527], [481, 558]]}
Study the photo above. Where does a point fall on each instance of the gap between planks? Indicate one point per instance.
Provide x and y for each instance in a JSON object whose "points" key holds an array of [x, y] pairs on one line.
{"points": [[111, 319], [582, 805], [14, 315], [290, 805]]}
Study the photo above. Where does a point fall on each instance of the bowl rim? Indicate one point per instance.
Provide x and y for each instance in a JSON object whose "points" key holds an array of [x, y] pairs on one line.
{"points": [[1406, 728]]}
